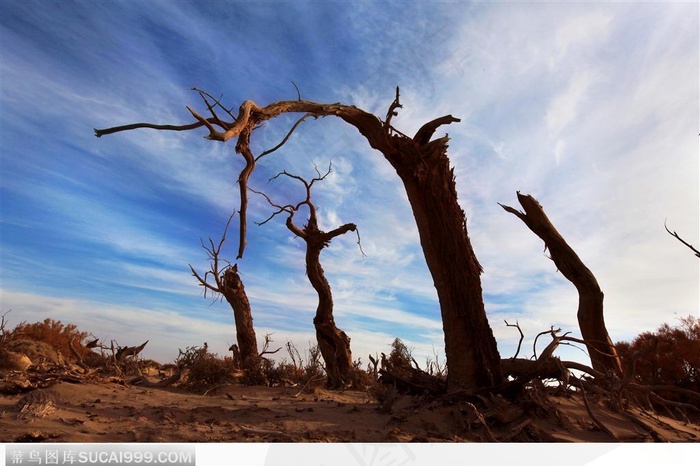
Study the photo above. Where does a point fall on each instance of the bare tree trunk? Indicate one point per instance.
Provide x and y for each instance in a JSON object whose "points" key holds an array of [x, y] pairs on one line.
{"points": [[234, 292], [602, 352], [333, 343], [472, 355], [228, 283]]}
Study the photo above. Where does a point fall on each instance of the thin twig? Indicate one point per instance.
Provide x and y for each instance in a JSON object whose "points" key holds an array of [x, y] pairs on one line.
{"points": [[521, 336], [289, 134], [298, 93], [306, 385], [534, 343], [217, 103], [675, 235]]}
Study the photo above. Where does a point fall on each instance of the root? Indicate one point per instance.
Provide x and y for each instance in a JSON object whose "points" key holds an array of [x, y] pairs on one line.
{"points": [[597, 421]]}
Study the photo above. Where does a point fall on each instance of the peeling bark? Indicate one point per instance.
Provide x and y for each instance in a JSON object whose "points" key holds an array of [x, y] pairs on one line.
{"points": [[471, 351]]}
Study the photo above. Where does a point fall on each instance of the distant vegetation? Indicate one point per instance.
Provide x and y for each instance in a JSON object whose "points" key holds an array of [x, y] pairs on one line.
{"points": [[670, 356], [47, 345], [662, 374]]}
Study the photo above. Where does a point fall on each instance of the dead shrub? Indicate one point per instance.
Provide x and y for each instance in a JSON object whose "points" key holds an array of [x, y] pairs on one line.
{"points": [[205, 369], [386, 395], [54, 333], [359, 378], [307, 370], [38, 351], [5, 335]]}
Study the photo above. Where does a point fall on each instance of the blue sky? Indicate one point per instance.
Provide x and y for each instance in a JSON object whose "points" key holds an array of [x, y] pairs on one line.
{"points": [[593, 108]]}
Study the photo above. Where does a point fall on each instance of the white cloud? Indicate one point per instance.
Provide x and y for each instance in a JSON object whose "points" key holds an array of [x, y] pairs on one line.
{"points": [[564, 107], [166, 330], [609, 91]]}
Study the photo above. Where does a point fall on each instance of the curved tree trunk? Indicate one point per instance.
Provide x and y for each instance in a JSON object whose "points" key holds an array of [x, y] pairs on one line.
{"points": [[333, 343], [602, 352]]}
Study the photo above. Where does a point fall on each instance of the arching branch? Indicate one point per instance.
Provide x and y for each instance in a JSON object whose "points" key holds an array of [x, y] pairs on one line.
{"points": [[249, 117]]}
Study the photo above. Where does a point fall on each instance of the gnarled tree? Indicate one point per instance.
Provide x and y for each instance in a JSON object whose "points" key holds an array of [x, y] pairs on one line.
{"points": [[227, 282], [333, 343], [423, 166], [591, 320]]}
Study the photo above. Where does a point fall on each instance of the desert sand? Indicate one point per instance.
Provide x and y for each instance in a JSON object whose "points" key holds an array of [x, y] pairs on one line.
{"points": [[110, 410]]}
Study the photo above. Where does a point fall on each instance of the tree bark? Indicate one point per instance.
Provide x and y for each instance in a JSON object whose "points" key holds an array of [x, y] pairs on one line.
{"points": [[234, 292], [471, 351], [602, 352], [228, 283], [333, 343]]}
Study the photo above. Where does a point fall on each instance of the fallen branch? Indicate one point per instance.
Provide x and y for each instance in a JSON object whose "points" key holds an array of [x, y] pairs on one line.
{"points": [[126, 351], [651, 430], [306, 385], [480, 418], [264, 432], [516, 430]]}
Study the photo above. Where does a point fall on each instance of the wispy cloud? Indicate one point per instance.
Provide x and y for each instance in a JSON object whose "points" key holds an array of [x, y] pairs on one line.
{"points": [[591, 108]]}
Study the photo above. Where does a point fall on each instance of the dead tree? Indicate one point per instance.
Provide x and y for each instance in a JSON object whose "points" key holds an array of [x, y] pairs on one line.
{"points": [[422, 164], [591, 321], [333, 343], [227, 282], [124, 352]]}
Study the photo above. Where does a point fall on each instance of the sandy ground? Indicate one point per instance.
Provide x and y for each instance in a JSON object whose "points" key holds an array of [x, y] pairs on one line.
{"points": [[113, 412]]}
